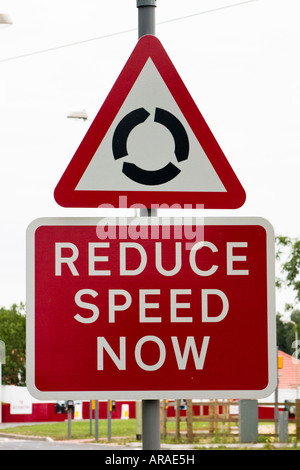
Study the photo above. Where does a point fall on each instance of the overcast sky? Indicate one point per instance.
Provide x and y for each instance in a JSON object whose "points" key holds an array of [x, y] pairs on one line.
{"points": [[240, 65]]}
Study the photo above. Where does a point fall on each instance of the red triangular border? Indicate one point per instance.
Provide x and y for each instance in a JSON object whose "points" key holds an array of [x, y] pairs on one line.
{"points": [[148, 46]]}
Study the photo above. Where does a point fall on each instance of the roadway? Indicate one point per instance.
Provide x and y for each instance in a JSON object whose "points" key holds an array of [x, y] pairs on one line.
{"points": [[8, 443]]}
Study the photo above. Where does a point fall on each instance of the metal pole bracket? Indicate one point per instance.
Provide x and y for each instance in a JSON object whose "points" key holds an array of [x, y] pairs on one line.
{"points": [[146, 3]]}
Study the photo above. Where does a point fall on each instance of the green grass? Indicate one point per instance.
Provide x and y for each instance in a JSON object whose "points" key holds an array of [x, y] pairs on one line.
{"points": [[79, 429], [123, 431], [120, 428]]}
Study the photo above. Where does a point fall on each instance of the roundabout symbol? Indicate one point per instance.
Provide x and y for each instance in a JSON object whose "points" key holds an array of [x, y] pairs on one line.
{"points": [[187, 163], [134, 172]]}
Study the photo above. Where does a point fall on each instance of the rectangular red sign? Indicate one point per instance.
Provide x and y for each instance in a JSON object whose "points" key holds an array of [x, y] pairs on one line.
{"points": [[139, 310]]}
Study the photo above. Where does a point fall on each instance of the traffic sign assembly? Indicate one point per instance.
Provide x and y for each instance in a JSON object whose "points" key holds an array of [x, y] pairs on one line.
{"points": [[145, 309], [150, 143], [140, 310]]}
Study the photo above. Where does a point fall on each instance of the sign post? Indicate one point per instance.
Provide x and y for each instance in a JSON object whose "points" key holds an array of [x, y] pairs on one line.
{"points": [[2, 361], [150, 408], [109, 420]]}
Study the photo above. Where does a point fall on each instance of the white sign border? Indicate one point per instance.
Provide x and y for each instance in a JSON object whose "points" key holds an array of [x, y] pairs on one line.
{"points": [[154, 394]]}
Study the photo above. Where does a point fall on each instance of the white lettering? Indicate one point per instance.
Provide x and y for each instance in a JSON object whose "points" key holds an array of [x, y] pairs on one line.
{"points": [[141, 305], [231, 258], [222, 315], [190, 345], [158, 260], [133, 250], [193, 253], [123, 265], [182, 358], [175, 305], [93, 259], [144, 305], [86, 305], [162, 353], [102, 345], [112, 307], [69, 260]]}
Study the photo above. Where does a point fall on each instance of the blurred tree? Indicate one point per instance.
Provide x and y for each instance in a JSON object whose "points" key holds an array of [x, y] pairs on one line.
{"points": [[288, 255], [13, 334], [286, 332]]}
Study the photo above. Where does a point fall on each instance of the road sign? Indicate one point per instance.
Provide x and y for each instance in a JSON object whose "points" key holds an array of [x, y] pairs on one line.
{"points": [[129, 310], [150, 143]]}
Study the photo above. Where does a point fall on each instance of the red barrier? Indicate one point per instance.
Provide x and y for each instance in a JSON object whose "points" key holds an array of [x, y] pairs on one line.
{"points": [[45, 412]]}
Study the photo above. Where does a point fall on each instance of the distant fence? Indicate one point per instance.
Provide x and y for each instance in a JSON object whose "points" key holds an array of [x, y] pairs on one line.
{"points": [[214, 412]]}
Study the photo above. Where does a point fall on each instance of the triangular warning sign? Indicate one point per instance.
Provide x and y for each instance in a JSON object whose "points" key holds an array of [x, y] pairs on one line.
{"points": [[150, 143]]}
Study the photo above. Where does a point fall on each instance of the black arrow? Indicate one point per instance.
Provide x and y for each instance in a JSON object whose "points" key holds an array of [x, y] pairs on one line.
{"points": [[123, 129], [177, 130], [150, 177]]}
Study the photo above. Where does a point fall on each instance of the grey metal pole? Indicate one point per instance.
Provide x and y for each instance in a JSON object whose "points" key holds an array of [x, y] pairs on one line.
{"points": [[96, 420], [150, 408], [151, 424], [108, 421], [69, 423], [138, 419], [91, 417], [248, 420], [2, 361], [276, 409], [283, 426], [146, 19]]}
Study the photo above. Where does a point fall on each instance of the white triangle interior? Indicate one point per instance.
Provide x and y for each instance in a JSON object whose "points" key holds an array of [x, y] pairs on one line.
{"points": [[150, 146]]}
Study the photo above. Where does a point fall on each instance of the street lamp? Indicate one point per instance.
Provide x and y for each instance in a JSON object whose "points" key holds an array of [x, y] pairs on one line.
{"points": [[78, 115], [5, 19]]}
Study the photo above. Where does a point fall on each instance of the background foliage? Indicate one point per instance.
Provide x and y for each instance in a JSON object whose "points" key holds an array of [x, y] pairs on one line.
{"points": [[13, 334], [288, 257]]}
